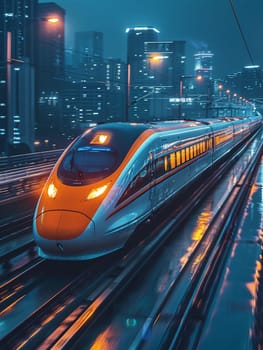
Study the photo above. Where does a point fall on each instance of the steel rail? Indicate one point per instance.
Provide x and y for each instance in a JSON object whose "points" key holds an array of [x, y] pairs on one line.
{"points": [[167, 330], [105, 298]]}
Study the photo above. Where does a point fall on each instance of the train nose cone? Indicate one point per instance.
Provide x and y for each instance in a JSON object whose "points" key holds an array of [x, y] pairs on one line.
{"points": [[61, 224]]}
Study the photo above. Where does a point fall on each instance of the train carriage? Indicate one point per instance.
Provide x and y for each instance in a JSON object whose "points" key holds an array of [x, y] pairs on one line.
{"points": [[116, 175]]}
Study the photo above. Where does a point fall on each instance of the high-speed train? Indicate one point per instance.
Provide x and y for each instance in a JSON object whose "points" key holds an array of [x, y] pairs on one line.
{"points": [[116, 175]]}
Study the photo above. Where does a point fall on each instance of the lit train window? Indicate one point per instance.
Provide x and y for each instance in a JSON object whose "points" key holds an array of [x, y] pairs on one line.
{"points": [[194, 147], [166, 166], [187, 154], [178, 158], [183, 155], [172, 160], [198, 148], [191, 152]]}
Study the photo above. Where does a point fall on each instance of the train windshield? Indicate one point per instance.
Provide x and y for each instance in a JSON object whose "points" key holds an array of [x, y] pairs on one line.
{"points": [[98, 153], [88, 161]]}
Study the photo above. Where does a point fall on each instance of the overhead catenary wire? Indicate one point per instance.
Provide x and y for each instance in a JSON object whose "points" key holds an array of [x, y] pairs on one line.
{"points": [[241, 31]]}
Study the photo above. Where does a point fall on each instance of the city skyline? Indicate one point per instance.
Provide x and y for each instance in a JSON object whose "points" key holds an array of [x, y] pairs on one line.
{"points": [[210, 26]]}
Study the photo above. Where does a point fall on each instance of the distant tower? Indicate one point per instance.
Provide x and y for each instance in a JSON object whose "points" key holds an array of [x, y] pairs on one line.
{"points": [[87, 44], [136, 66], [50, 72], [51, 40], [115, 78], [165, 61], [204, 64], [88, 55], [17, 58], [252, 82], [136, 37]]}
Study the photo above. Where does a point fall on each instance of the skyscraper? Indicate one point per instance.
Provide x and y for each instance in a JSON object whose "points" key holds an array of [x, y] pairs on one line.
{"points": [[50, 72], [51, 41], [17, 59], [252, 82], [204, 64], [115, 78], [204, 69], [165, 67], [87, 44], [136, 70], [165, 62]]}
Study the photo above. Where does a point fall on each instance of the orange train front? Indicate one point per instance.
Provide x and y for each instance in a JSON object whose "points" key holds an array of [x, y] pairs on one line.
{"points": [[114, 176]]}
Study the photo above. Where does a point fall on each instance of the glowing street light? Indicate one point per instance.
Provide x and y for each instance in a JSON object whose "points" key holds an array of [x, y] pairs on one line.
{"points": [[50, 19], [53, 20]]}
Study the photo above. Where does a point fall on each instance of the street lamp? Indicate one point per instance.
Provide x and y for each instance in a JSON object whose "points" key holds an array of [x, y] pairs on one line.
{"points": [[52, 19]]}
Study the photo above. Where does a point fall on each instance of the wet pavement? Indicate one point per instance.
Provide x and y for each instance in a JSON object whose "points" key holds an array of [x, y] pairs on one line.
{"points": [[235, 320]]}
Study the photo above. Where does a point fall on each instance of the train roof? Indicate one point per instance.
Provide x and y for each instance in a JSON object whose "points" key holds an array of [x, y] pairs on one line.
{"points": [[135, 129], [130, 131]]}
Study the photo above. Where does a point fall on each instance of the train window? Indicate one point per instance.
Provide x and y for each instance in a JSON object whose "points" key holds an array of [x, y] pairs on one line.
{"points": [[201, 147], [194, 147], [166, 165], [204, 148], [172, 160], [187, 155], [191, 152], [178, 158], [183, 155], [198, 148]]}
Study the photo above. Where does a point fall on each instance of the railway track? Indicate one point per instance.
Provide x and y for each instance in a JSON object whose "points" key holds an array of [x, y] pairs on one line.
{"points": [[16, 240], [181, 330], [86, 298], [184, 302]]}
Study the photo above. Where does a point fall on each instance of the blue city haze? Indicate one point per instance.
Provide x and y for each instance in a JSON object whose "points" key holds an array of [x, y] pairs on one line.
{"points": [[203, 24]]}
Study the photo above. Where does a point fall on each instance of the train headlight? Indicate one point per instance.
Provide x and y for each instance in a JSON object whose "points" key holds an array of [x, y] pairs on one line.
{"points": [[96, 192], [52, 191]]}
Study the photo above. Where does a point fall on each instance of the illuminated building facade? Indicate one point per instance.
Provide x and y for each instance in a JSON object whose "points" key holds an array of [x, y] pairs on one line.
{"points": [[137, 108], [17, 59], [87, 44], [203, 62], [50, 74], [95, 89], [204, 69], [88, 55], [115, 77], [252, 82], [165, 61]]}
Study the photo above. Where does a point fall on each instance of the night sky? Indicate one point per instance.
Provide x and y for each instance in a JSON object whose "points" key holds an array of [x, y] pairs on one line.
{"points": [[203, 24]]}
